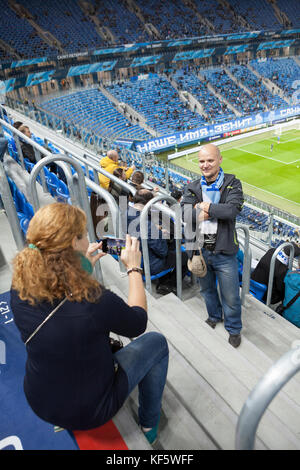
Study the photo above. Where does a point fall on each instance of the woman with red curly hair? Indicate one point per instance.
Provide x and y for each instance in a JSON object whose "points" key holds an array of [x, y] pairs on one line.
{"points": [[72, 378]]}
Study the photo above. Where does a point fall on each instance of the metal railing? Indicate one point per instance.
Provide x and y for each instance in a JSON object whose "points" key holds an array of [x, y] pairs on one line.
{"points": [[79, 196], [82, 200], [246, 263], [178, 236], [262, 395], [10, 209]]}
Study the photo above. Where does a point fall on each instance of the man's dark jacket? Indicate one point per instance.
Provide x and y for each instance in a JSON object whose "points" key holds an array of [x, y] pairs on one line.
{"points": [[229, 206]]}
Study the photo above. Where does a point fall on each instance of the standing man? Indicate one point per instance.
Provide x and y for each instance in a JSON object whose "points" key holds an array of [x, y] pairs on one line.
{"points": [[214, 201]]}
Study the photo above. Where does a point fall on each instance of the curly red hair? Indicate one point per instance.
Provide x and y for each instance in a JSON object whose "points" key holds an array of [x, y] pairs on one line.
{"points": [[53, 270]]}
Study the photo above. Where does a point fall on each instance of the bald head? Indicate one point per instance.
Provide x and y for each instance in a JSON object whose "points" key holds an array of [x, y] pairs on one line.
{"points": [[210, 149], [210, 159], [113, 155]]}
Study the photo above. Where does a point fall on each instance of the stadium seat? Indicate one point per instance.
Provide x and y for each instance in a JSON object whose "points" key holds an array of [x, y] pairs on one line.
{"points": [[257, 290]]}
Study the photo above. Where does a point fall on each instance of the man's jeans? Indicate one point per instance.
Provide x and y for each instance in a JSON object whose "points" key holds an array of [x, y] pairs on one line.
{"points": [[145, 361], [224, 269]]}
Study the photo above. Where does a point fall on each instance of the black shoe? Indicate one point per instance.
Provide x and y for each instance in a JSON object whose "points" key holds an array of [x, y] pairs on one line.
{"points": [[211, 323], [235, 340], [163, 289]]}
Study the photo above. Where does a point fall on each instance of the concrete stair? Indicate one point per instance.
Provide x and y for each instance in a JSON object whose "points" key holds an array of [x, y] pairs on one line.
{"points": [[208, 380]]}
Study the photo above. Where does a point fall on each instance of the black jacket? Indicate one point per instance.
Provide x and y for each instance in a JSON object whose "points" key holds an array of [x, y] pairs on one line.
{"points": [[261, 274], [230, 205]]}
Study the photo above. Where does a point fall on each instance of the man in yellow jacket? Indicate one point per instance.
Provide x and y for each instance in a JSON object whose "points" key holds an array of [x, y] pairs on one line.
{"points": [[110, 163]]}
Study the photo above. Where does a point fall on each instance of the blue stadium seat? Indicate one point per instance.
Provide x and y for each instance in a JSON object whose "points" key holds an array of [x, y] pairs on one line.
{"points": [[257, 290], [62, 192]]}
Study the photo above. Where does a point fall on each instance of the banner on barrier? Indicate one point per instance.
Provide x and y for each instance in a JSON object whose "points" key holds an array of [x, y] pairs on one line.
{"points": [[23, 63], [186, 137], [36, 78], [7, 85], [91, 68]]}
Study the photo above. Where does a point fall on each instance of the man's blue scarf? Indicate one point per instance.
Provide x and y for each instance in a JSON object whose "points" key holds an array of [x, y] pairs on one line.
{"points": [[212, 191]]}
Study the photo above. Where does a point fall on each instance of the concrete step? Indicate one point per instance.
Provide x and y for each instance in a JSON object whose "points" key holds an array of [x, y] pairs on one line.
{"points": [[226, 371], [267, 330], [258, 349], [266, 324], [204, 412], [211, 373], [130, 432]]}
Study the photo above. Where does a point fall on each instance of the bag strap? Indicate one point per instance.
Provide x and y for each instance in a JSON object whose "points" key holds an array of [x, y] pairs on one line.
{"points": [[291, 301], [46, 319]]}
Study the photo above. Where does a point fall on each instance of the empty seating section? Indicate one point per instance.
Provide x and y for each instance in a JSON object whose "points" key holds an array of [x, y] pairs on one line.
{"points": [[234, 94], [255, 85], [283, 72], [20, 35], [221, 18], [258, 13], [215, 109], [158, 102], [91, 110], [291, 9], [66, 21], [112, 14], [172, 19]]}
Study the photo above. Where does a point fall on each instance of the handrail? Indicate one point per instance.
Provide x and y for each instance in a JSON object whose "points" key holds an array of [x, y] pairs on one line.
{"points": [[272, 267], [94, 164], [246, 263], [10, 209], [83, 201], [262, 395], [38, 150], [178, 236], [109, 199]]}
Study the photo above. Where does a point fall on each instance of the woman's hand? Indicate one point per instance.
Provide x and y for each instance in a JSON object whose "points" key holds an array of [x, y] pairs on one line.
{"points": [[93, 247], [131, 256]]}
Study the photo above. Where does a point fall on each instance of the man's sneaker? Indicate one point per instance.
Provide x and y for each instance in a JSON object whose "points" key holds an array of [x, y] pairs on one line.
{"points": [[235, 340], [211, 323]]}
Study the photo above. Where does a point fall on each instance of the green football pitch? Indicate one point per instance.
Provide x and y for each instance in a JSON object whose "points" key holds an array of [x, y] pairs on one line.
{"points": [[269, 170]]}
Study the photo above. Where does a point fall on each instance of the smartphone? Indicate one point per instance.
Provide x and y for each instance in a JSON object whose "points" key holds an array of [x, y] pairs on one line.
{"points": [[113, 246]]}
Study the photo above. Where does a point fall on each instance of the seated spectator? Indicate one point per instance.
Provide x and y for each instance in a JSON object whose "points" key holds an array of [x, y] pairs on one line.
{"points": [[115, 189], [137, 179], [17, 124], [109, 164], [27, 149], [161, 256], [292, 288], [262, 271], [71, 350], [176, 194]]}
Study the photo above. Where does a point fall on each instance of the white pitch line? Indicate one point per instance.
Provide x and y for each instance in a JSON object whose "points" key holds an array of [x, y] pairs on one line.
{"points": [[269, 192], [282, 141], [259, 155]]}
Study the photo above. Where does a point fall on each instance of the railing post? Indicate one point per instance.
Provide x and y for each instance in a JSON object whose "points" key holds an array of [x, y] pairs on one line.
{"points": [[246, 263], [144, 237], [262, 395], [10, 209]]}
